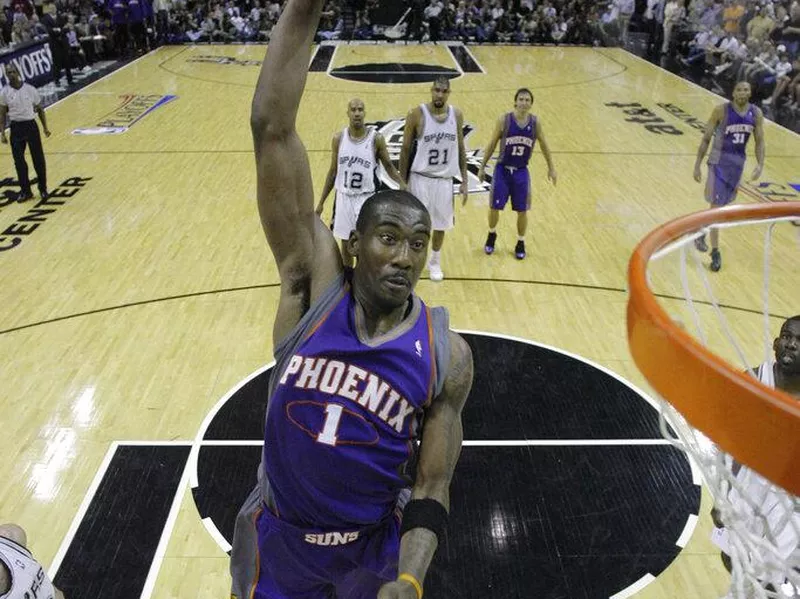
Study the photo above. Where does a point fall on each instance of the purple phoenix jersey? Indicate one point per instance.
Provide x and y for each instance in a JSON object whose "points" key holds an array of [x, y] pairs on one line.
{"points": [[726, 161], [517, 142], [731, 136], [511, 178], [343, 417]]}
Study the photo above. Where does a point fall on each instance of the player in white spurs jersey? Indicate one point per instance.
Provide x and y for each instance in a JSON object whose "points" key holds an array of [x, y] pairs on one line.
{"points": [[356, 151], [21, 576], [780, 526], [440, 156]]}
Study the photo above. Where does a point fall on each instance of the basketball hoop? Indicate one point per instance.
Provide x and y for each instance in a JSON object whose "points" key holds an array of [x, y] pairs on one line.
{"points": [[716, 412]]}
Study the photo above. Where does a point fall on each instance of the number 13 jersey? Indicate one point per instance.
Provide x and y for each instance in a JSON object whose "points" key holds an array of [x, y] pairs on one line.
{"points": [[437, 147], [345, 410]]}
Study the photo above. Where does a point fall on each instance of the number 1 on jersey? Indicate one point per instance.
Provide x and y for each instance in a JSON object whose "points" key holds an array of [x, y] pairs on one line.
{"points": [[333, 413]]}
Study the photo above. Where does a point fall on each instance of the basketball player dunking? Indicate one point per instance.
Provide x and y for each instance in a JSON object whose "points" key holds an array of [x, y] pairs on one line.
{"points": [[359, 361], [518, 131], [780, 527], [437, 128], [355, 154], [21, 576], [730, 125]]}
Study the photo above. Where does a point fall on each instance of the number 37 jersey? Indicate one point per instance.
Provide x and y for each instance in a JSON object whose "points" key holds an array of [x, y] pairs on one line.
{"points": [[437, 147], [344, 412]]}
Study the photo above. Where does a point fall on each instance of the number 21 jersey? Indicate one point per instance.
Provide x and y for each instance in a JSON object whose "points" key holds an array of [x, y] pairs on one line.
{"points": [[437, 147]]}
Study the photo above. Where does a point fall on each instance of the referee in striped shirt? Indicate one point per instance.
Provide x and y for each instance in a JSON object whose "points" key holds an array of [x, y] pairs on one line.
{"points": [[21, 102]]}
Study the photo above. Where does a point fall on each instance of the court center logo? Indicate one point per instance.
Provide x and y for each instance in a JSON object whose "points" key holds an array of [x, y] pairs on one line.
{"points": [[133, 109], [563, 465], [392, 131]]}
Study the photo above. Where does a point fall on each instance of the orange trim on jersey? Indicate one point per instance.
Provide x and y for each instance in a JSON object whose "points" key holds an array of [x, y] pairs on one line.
{"points": [[258, 555], [431, 347], [342, 293]]}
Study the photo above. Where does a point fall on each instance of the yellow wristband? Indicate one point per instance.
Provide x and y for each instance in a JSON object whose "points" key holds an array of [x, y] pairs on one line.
{"points": [[413, 582]]}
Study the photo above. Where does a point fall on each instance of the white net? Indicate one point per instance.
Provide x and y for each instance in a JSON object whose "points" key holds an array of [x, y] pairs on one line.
{"points": [[730, 313]]}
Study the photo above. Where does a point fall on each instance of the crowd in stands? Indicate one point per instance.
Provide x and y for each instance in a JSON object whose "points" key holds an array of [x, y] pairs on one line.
{"points": [[715, 42]]}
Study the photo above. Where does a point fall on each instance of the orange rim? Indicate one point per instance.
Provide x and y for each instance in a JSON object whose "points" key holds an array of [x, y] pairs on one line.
{"points": [[757, 425]]}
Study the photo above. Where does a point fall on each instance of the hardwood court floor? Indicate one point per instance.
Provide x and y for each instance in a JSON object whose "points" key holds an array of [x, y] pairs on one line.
{"points": [[147, 292]]}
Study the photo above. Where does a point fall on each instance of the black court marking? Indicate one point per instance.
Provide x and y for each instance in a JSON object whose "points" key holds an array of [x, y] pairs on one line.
{"points": [[565, 518], [322, 59], [393, 72], [465, 60], [623, 68], [168, 298], [114, 547]]}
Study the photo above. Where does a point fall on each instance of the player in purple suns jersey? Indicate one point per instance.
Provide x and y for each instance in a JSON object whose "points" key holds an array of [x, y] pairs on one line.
{"points": [[368, 381], [517, 133], [730, 125]]}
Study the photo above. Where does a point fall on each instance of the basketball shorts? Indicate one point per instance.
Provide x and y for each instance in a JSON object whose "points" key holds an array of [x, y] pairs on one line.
{"points": [[345, 212], [274, 560], [723, 181], [437, 195], [514, 183]]}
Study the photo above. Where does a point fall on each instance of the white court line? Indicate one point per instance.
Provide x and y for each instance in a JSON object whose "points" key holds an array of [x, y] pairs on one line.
{"points": [[216, 534], [98, 80], [688, 530], [635, 587], [563, 352], [475, 60], [484, 443], [192, 462], [455, 60], [332, 61], [692, 83], [76, 521], [158, 443], [166, 534]]}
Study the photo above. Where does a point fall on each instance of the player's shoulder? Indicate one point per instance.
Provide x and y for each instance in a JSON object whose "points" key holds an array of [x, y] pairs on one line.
{"points": [[459, 370]]}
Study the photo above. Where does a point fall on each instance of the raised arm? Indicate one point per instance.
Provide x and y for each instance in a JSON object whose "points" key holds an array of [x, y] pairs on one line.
{"points": [[758, 134], [462, 157], [551, 169], [711, 126], [441, 447], [409, 135], [333, 169], [493, 141], [304, 250], [383, 155]]}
